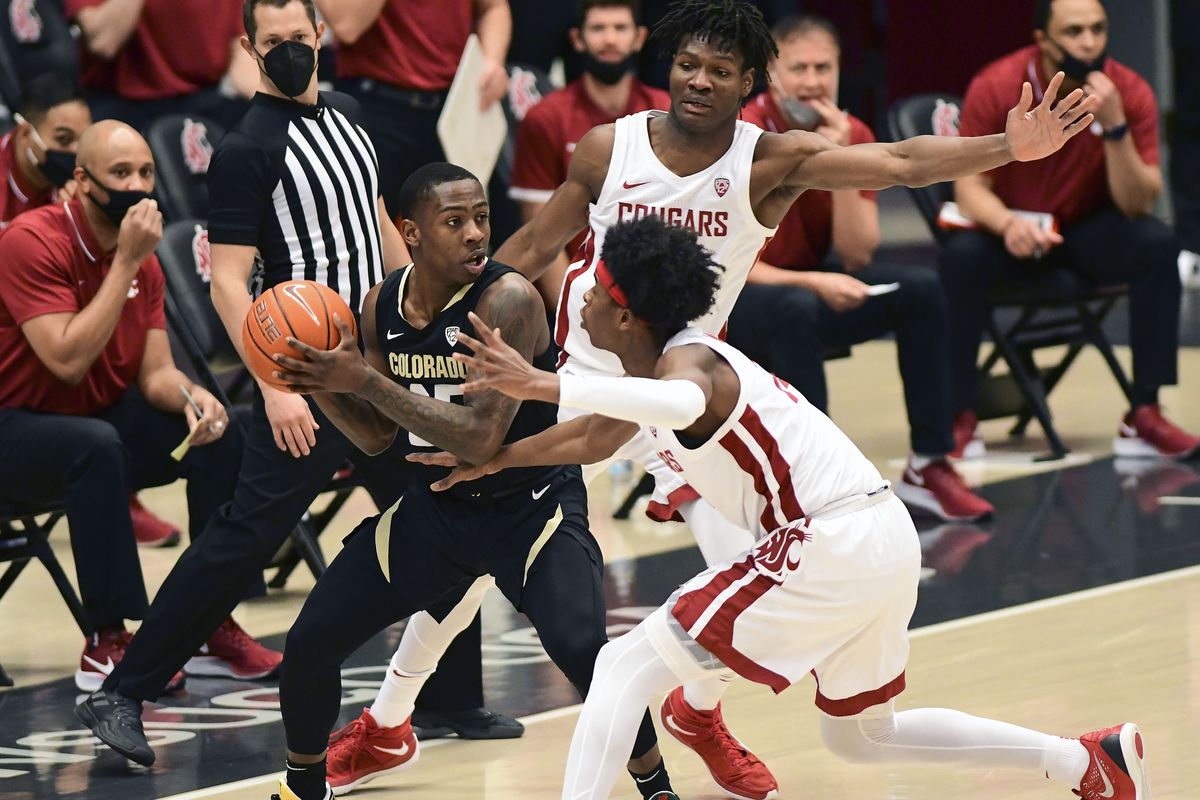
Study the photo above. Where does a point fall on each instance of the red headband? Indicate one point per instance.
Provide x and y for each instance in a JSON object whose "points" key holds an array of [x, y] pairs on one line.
{"points": [[605, 279]]}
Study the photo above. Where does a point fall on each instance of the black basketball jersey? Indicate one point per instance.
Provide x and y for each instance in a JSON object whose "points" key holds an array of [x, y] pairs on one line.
{"points": [[421, 359]]}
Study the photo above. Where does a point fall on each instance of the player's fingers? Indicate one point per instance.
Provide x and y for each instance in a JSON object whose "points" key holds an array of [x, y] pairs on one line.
{"points": [[1078, 125], [289, 441], [1051, 89], [1064, 106], [471, 342], [472, 362], [344, 329], [307, 351], [1026, 97], [289, 364]]}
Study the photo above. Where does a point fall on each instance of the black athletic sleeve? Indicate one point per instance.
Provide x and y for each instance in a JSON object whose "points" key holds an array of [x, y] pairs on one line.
{"points": [[239, 190]]}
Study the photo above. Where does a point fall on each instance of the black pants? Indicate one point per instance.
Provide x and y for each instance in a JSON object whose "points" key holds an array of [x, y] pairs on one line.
{"points": [[94, 463], [1106, 248], [788, 330], [402, 126], [436, 546], [139, 114]]}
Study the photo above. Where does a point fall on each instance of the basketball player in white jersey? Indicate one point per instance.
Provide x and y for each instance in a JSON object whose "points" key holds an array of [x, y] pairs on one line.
{"points": [[698, 166], [830, 586]]}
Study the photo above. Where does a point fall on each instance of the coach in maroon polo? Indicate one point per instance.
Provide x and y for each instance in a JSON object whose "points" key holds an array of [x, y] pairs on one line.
{"points": [[91, 404]]}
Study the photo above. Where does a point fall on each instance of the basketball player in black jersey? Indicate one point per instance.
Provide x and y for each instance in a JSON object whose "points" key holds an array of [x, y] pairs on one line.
{"points": [[528, 528]]}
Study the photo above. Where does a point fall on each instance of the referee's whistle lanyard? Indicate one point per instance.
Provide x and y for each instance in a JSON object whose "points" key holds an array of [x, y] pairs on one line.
{"points": [[290, 66]]}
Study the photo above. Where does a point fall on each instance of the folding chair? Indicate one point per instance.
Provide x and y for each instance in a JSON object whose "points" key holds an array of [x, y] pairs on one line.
{"points": [[182, 145], [184, 253], [1057, 308]]}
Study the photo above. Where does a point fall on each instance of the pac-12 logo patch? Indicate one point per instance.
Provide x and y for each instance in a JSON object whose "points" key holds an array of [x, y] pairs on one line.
{"points": [[452, 335], [721, 185]]}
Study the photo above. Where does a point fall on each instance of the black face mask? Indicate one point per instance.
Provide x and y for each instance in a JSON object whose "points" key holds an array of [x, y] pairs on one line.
{"points": [[290, 66], [119, 200], [608, 72], [1077, 69], [59, 167]]}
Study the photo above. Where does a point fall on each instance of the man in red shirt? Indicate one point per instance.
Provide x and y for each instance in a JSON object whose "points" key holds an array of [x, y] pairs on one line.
{"points": [[823, 299], [141, 59], [92, 403], [398, 58], [608, 39], [1100, 189]]}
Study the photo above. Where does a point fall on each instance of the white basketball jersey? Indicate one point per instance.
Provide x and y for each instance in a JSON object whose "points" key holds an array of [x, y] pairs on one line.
{"points": [[775, 460], [715, 203]]}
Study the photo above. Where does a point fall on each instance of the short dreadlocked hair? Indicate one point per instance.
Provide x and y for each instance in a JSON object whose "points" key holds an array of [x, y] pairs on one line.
{"points": [[668, 277], [734, 26]]}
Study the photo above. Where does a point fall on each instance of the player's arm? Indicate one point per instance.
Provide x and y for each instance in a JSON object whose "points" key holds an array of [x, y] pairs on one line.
{"points": [[363, 424], [1031, 133], [350, 19], [533, 248]]}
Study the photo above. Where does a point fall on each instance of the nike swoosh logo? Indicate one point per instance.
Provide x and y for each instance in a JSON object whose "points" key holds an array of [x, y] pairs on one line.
{"points": [[671, 723], [629, 185], [647, 780], [403, 751], [1108, 787], [391, 335], [537, 495], [106, 667]]}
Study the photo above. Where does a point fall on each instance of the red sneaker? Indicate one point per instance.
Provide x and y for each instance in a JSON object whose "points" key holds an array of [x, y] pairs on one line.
{"points": [[363, 750], [967, 441], [232, 653], [735, 769], [148, 528], [939, 489], [1117, 770], [1146, 433], [102, 651]]}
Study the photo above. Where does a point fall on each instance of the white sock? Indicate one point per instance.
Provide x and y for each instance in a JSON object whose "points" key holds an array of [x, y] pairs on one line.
{"points": [[919, 462], [705, 695], [422, 645]]}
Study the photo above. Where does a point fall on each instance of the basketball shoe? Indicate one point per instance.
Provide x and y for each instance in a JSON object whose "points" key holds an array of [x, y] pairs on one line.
{"points": [[1117, 767], [735, 769], [967, 441], [364, 750], [232, 653], [285, 792], [116, 720], [102, 651], [148, 528], [938, 488], [1146, 433]]}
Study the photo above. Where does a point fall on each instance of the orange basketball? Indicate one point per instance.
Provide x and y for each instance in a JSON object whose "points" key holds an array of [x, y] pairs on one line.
{"points": [[301, 309]]}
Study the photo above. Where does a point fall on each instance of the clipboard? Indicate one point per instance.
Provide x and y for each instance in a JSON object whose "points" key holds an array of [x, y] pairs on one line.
{"points": [[471, 138]]}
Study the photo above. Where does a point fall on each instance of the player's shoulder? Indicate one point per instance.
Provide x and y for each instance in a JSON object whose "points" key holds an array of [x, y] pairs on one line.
{"points": [[791, 144], [510, 285]]}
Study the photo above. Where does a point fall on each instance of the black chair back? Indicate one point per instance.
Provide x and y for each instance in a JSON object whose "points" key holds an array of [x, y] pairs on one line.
{"points": [[927, 115], [183, 145]]}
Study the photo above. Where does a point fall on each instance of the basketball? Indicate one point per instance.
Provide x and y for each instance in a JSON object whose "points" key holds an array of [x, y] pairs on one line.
{"points": [[302, 310]]}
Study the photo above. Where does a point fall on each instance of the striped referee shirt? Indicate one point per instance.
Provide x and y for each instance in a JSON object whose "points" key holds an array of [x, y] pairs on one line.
{"points": [[300, 183]]}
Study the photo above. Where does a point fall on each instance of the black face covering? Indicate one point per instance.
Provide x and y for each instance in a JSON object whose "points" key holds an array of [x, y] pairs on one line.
{"points": [[608, 72], [290, 66], [59, 167], [119, 200], [1077, 69]]}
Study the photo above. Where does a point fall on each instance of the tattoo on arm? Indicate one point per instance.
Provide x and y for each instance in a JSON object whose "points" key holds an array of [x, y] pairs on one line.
{"points": [[363, 424]]}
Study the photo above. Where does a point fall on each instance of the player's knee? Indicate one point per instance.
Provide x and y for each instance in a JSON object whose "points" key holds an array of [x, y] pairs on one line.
{"points": [[923, 289], [577, 657], [846, 738]]}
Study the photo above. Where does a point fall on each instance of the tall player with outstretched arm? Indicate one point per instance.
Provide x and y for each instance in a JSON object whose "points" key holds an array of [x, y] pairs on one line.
{"points": [[698, 166]]}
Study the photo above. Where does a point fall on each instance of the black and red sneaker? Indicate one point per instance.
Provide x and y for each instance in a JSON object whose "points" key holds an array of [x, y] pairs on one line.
{"points": [[1117, 765], [102, 651], [232, 653], [939, 489]]}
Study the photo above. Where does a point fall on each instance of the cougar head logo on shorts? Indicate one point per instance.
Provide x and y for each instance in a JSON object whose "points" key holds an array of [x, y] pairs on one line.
{"points": [[452, 335], [197, 150], [202, 254], [24, 20], [781, 553], [721, 185]]}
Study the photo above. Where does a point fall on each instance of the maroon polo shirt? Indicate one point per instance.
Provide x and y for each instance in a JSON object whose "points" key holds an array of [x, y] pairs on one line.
{"points": [[806, 232], [50, 263], [178, 48], [413, 44], [15, 196], [1070, 184]]}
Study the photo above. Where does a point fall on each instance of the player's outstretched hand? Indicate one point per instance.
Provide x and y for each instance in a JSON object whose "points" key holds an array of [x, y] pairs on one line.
{"points": [[340, 370], [1034, 133], [460, 472], [497, 366]]}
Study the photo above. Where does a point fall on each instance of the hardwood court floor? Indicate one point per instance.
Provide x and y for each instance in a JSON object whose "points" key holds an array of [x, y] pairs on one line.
{"points": [[1038, 665]]}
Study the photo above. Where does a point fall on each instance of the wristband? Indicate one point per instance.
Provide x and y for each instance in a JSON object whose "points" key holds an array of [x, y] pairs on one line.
{"points": [[1117, 132]]}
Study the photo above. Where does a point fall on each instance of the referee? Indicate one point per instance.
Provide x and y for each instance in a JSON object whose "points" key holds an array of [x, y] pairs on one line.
{"points": [[295, 189]]}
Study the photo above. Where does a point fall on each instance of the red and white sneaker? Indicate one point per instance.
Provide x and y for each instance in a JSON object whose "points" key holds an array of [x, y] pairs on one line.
{"points": [[735, 769], [940, 490], [1117, 766], [148, 528], [364, 750], [102, 651], [1146, 433], [967, 441], [232, 653]]}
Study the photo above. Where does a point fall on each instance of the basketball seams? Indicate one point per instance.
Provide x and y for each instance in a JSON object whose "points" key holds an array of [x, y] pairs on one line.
{"points": [[283, 311], [328, 319]]}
